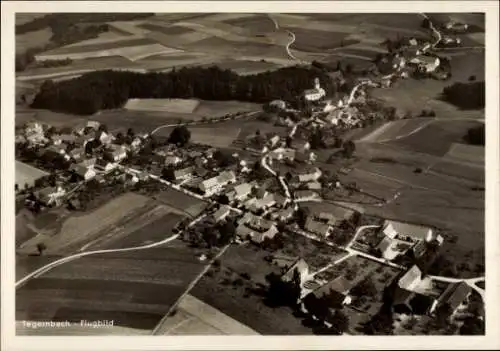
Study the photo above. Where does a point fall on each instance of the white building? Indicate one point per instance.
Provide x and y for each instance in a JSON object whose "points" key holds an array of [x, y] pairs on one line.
{"points": [[221, 213], [315, 94], [426, 63], [214, 185], [85, 172], [51, 195]]}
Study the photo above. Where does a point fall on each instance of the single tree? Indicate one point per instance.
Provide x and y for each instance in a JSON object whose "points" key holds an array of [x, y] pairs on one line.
{"points": [[41, 247]]}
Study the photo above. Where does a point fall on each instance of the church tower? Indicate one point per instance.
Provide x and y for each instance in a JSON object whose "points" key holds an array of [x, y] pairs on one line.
{"points": [[316, 84]]}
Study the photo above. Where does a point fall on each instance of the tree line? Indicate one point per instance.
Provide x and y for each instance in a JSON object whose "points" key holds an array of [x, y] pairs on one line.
{"points": [[467, 96], [101, 90]]}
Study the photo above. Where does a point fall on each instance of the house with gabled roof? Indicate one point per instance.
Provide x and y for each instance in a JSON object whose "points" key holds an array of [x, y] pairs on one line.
{"points": [[335, 291], [455, 296], [299, 269], [184, 173], [410, 232], [411, 279], [316, 227], [51, 195], [221, 213], [105, 165], [83, 171]]}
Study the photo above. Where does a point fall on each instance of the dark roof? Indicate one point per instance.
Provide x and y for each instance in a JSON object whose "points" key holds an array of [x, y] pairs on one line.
{"points": [[339, 285], [455, 294]]}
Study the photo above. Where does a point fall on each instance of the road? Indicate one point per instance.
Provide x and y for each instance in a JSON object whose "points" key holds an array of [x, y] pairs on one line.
{"points": [[50, 266], [292, 38], [439, 37]]}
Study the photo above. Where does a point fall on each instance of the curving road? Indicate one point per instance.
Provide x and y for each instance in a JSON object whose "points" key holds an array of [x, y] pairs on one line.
{"points": [[439, 37], [292, 39]]}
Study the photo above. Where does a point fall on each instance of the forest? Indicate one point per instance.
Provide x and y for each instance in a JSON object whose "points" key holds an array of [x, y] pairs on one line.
{"points": [[466, 96], [110, 89]]}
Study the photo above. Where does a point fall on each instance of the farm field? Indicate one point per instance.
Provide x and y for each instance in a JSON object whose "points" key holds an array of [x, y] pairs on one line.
{"points": [[257, 23], [243, 67], [31, 40], [397, 129], [245, 304], [194, 317], [26, 174], [56, 119], [22, 18], [65, 234], [133, 289], [216, 45], [183, 203], [219, 136], [436, 138], [162, 105], [466, 153], [80, 66]]}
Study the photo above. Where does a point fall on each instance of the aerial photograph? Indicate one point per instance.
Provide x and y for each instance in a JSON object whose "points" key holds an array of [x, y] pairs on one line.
{"points": [[250, 174]]}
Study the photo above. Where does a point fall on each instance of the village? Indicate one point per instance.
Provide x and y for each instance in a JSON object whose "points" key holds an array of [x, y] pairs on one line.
{"points": [[257, 194]]}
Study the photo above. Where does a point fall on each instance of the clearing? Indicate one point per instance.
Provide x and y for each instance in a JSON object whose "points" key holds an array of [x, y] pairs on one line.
{"points": [[26, 174], [162, 105], [194, 317], [184, 203], [31, 40], [135, 289], [67, 233]]}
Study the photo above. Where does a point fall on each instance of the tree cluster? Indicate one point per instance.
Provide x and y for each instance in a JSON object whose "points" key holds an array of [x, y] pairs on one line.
{"points": [[110, 89], [476, 135], [467, 96]]}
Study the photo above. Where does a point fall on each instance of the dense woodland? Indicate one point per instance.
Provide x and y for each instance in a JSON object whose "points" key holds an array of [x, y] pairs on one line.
{"points": [[467, 96], [103, 90]]}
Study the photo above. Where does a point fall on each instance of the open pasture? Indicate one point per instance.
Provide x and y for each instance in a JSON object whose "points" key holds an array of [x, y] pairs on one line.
{"points": [[152, 231], [32, 40], [256, 23], [317, 40], [397, 129], [105, 38], [155, 26], [243, 67], [215, 45], [221, 108], [79, 66], [466, 153], [22, 18], [194, 317], [137, 41], [162, 105], [218, 136], [70, 233], [134, 291], [26, 174], [436, 138], [184, 203]]}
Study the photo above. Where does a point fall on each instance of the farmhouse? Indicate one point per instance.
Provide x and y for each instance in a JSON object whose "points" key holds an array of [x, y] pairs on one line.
{"points": [[278, 104], [214, 185], [282, 154], [283, 215], [83, 171], [221, 213], [116, 153], [316, 93], [89, 162], [184, 173], [337, 291], [240, 192], [455, 296], [306, 195], [298, 270], [105, 165], [409, 232], [256, 228], [316, 227], [309, 175], [411, 279], [456, 26], [51, 195], [172, 160], [76, 154], [426, 63], [392, 248]]}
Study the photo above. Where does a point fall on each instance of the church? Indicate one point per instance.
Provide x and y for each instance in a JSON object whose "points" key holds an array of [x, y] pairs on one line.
{"points": [[315, 94]]}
